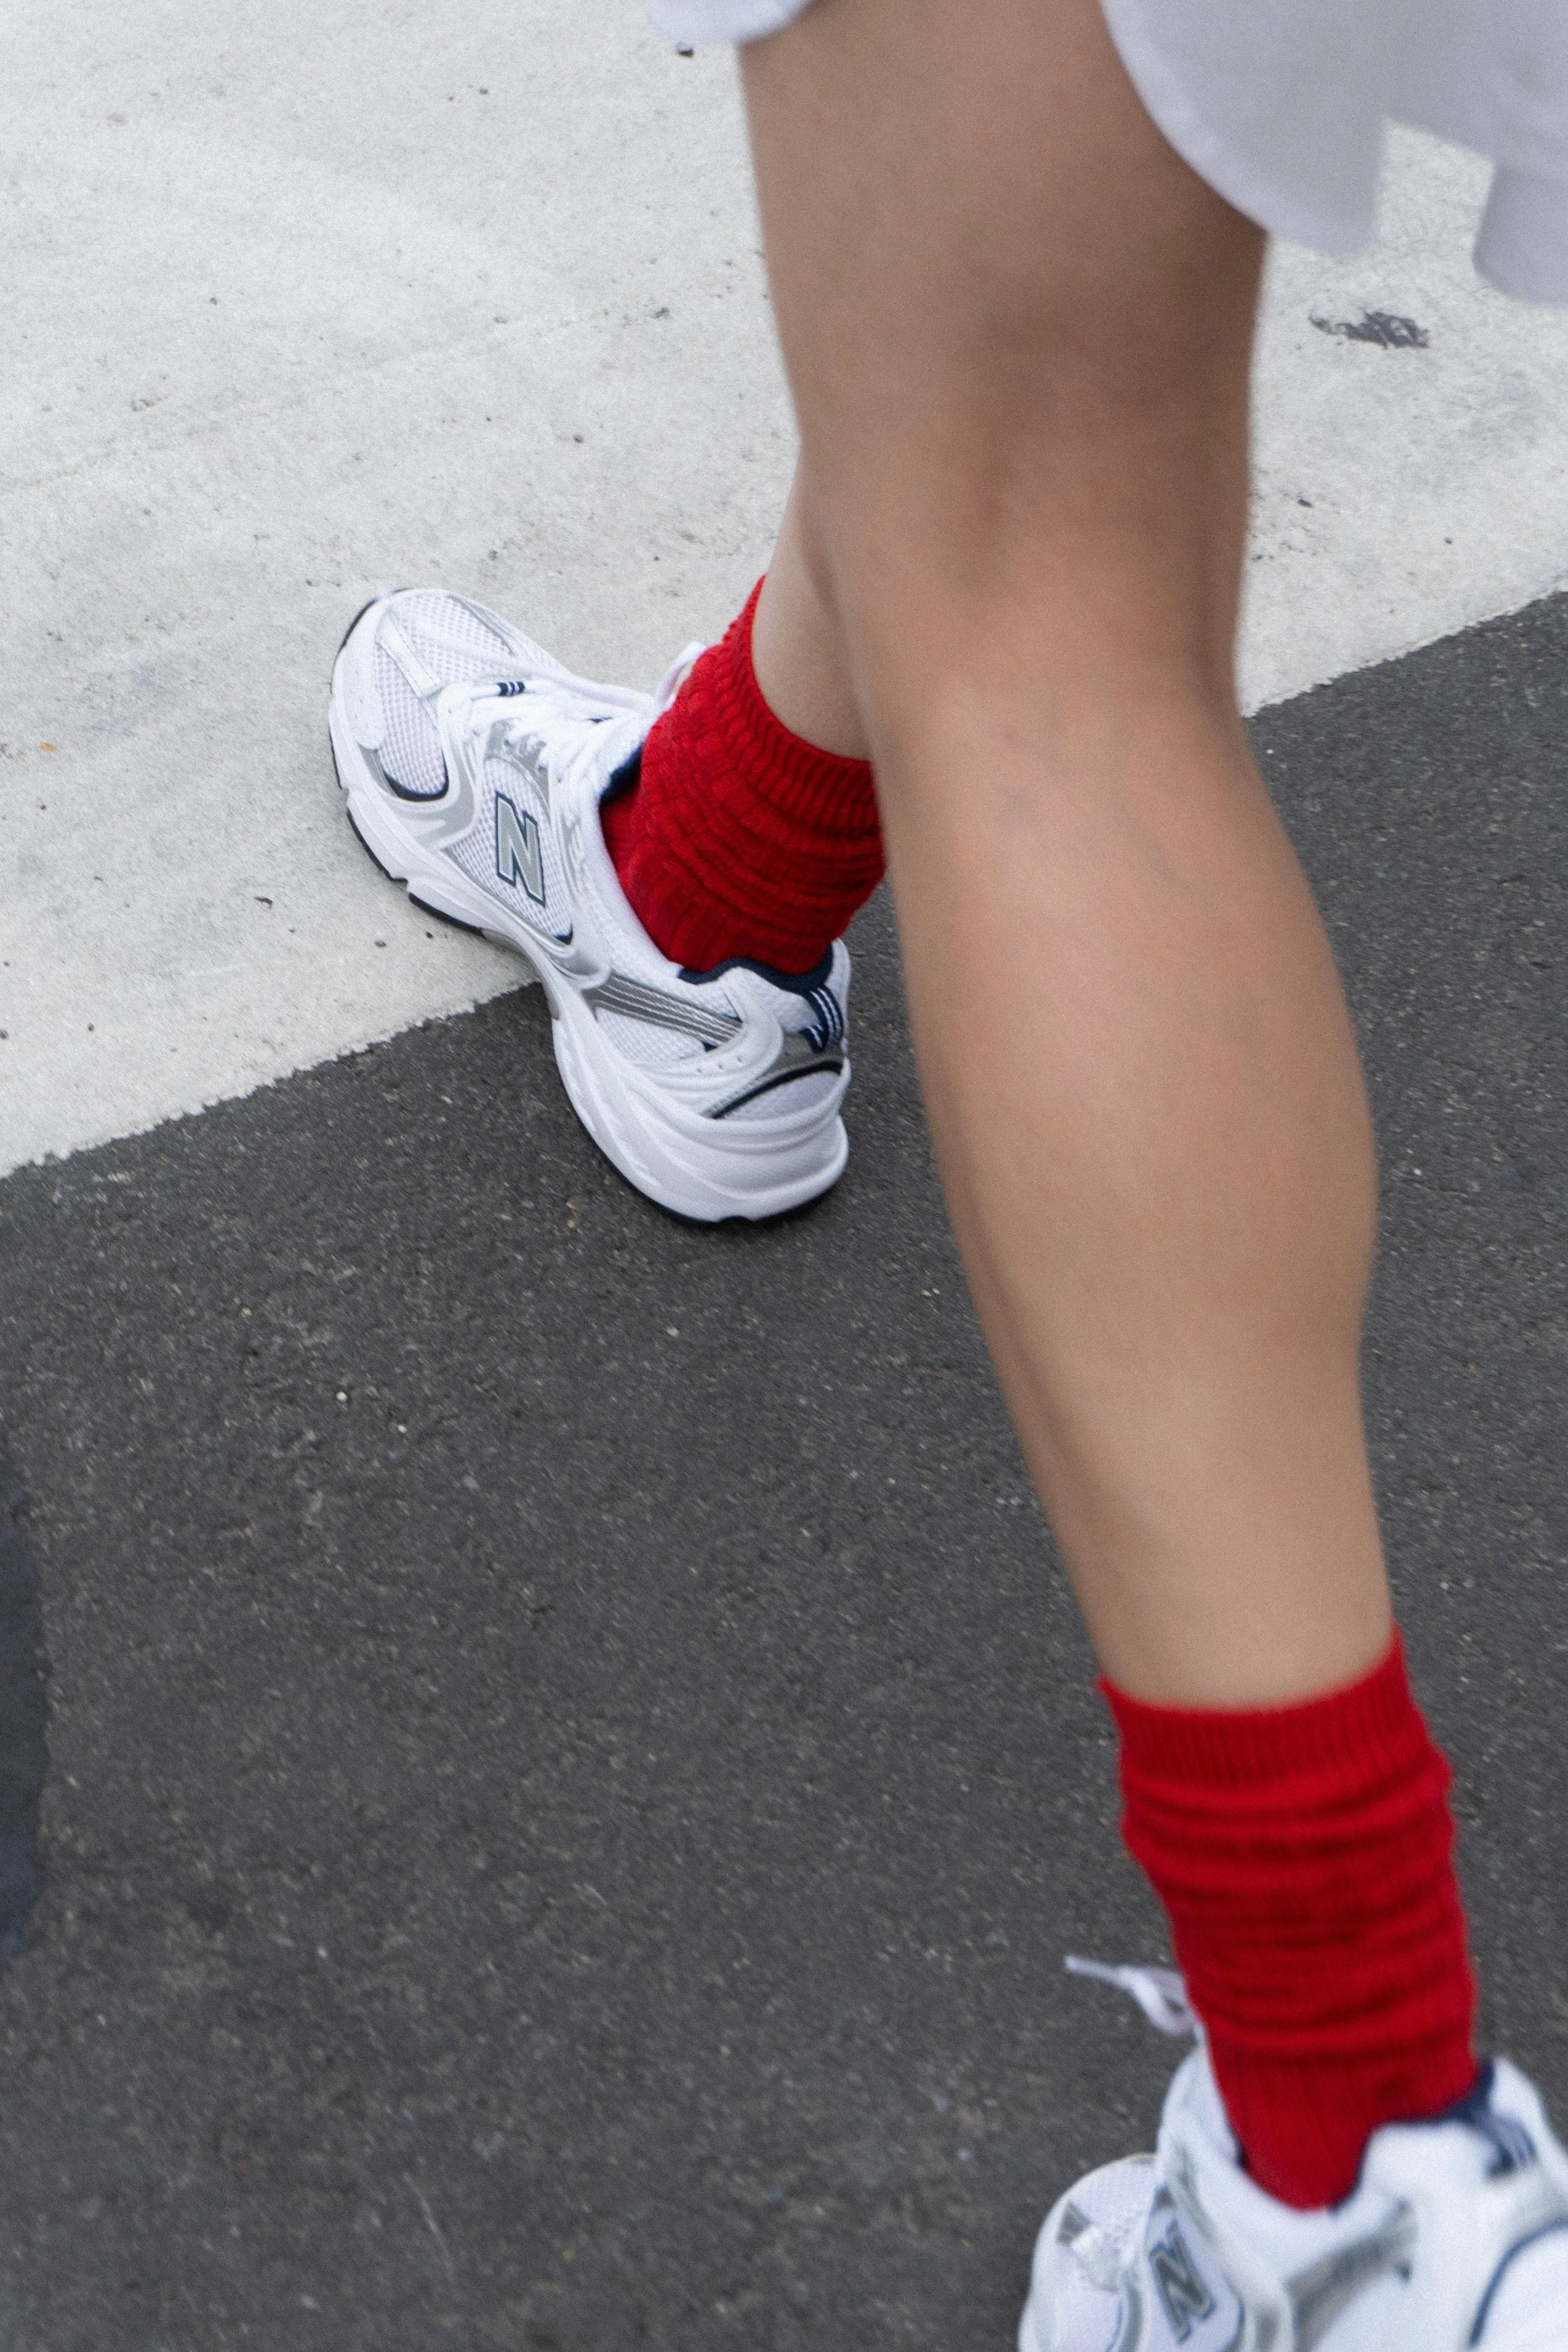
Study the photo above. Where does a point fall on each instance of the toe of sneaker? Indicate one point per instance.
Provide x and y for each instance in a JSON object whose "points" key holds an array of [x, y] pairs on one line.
{"points": [[354, 683]]}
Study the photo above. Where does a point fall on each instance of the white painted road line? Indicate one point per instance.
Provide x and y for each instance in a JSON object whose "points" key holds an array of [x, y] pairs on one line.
{"points": [[292, 312], [1403, 490]]}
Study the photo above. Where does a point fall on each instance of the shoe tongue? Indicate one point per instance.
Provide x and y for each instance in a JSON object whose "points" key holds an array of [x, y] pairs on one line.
{"points": [[571, 724], [1208, 2112]]}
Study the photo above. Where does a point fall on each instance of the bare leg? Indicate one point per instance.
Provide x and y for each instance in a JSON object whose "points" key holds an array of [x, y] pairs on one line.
{"points": [[1018, 330], [797, 645]]}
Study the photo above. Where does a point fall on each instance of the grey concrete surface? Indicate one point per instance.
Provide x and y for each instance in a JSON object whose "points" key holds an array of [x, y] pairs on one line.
{"points": [[572, 1767], [299, 301]]}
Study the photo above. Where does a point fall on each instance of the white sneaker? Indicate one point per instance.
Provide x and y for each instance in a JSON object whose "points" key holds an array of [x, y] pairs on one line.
{"points": [[1456, 2235], [474, 766]]}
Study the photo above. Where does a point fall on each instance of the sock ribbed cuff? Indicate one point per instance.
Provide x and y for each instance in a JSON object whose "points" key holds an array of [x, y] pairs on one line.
{"points": [[1245, 1748]]}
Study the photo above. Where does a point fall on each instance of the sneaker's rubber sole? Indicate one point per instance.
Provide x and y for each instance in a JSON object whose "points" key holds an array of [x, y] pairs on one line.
{"points": [[706, 1169]]}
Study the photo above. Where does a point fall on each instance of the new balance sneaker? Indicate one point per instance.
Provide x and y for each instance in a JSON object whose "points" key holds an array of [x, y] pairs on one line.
{"points": [[474, 765], [1456, 2235]]}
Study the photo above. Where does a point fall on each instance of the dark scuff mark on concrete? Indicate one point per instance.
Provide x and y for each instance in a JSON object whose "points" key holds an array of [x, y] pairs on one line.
{"points": [[1385, 328], [23, 1716]]}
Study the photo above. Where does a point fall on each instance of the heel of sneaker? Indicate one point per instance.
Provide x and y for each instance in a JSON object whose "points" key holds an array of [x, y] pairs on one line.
{"points": [[705, 1169]]}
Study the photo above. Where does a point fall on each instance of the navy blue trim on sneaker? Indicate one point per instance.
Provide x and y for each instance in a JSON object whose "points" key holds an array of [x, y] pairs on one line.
{"points": [[1547, 2229], [803, 983], [828, 1028], [1513, 2150]]}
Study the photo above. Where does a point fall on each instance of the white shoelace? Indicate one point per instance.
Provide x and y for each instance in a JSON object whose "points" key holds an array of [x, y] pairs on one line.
{"points": [[1159, 1993], [591, 711]]}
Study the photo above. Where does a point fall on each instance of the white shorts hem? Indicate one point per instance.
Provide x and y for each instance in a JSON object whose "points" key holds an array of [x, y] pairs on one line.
{"points": [[694, 22]]}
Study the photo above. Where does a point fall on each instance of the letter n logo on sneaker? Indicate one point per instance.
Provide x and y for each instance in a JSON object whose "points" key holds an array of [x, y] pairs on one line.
{"points": [[519, 857], [1182, 2289]]}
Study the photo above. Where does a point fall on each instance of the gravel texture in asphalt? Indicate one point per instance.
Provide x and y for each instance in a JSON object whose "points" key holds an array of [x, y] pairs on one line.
{"points": [[572, 1767]]}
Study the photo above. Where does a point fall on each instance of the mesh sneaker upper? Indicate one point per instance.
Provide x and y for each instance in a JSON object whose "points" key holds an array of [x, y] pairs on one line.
{"points": [[454, 643], [1098, 2231]]}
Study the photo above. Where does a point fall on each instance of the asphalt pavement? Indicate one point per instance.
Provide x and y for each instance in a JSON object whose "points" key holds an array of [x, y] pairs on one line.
{"points": [[571, 1768]]}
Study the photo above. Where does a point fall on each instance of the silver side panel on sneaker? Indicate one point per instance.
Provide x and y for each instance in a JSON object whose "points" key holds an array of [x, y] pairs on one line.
{"points": [[640, 1002]]}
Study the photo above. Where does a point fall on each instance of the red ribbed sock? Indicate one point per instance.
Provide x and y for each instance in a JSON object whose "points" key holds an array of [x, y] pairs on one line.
{"points": [[739, 838], [1304, 1856]]}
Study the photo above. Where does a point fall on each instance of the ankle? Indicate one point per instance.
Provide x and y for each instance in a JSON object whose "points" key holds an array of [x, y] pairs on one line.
{"points": [[736, 839]]}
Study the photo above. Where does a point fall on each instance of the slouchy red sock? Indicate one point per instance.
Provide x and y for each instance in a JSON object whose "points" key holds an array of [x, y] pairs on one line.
{"points": [[739, 838], [1304, 1856]]}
